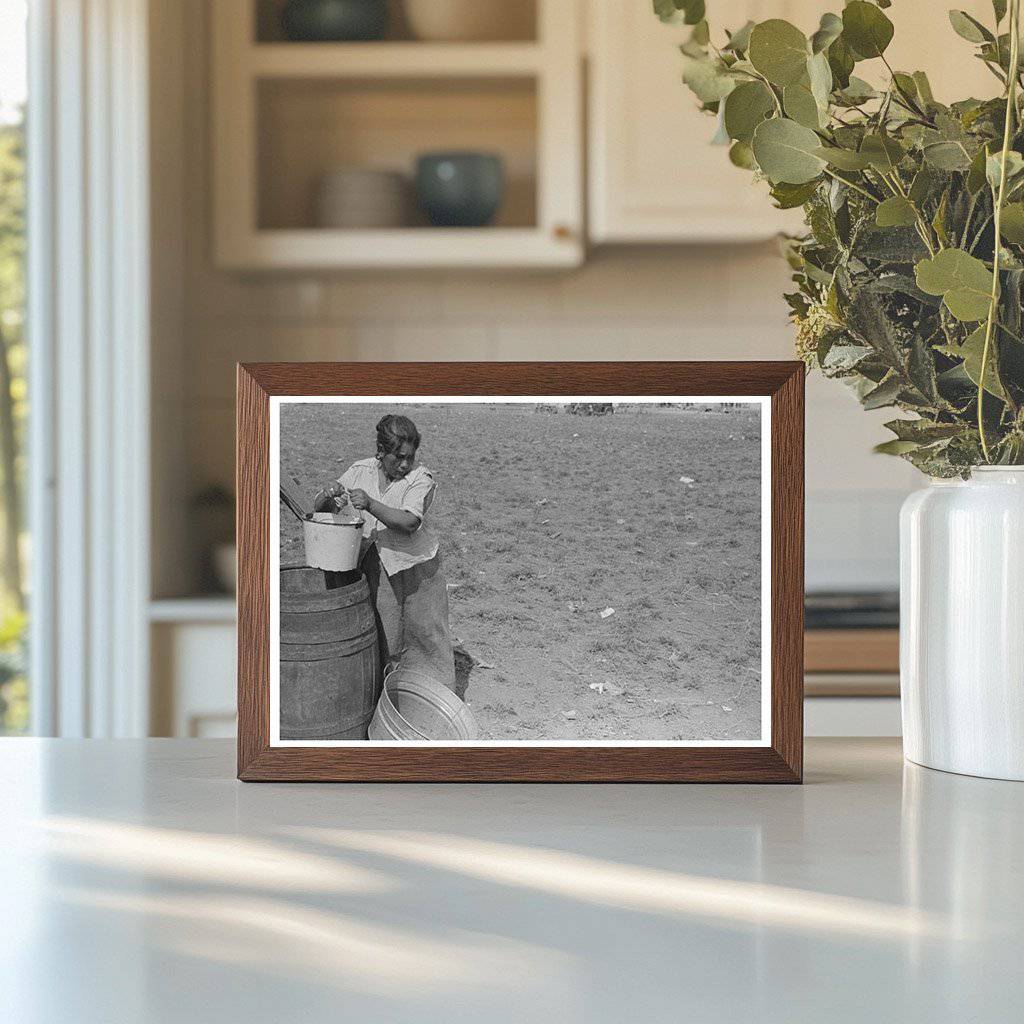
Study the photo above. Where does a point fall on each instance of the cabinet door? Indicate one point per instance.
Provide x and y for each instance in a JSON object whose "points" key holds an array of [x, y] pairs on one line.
{"points": [[653, 174]]}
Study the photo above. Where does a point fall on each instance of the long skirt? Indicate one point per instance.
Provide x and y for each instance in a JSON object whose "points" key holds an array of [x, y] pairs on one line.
{"points": [[412, 616]]}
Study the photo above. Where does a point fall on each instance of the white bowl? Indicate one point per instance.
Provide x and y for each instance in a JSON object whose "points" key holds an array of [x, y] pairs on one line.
{"points": [[471, 20], [362, 198]]}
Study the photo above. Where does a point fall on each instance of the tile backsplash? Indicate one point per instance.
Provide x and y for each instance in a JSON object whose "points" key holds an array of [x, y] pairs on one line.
{"points": [[709, 303]]}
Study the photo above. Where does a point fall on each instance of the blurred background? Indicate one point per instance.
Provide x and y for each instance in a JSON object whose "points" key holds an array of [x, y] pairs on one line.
{"points": [[204, 183]]}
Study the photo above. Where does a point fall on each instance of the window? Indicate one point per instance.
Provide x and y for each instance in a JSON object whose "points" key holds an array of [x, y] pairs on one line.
{"points": [[14, 693]]}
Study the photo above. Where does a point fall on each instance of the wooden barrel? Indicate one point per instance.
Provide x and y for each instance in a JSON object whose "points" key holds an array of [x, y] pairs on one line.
{"points": [[330, 661]]}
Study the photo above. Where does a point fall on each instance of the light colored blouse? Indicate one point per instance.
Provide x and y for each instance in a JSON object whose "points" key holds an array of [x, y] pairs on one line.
{"points": [[412, 493]]}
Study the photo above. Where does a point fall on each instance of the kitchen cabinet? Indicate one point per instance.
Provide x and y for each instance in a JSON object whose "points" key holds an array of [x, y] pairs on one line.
{"points": [[193, 643], [193, 688], [654, 177], [287, 114]]}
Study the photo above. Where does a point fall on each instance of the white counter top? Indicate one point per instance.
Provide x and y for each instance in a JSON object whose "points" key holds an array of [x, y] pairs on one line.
{"points": [[140, 882]]}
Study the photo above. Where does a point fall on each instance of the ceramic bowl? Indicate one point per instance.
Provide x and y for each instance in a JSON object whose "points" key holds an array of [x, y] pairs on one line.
{"points": [[470, 20], [332, 21], [460, 189], [358, 197]]}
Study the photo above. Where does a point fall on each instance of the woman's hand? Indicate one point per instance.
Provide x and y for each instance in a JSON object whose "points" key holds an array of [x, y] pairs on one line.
{"points": [[359, 499], [326, 499]]}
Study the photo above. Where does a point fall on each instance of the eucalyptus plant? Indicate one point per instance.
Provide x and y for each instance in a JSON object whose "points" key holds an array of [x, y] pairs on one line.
{"points": [[910, 277]]}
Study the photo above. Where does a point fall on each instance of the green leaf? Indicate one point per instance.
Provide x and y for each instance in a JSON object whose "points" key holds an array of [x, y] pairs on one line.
{"points": [[801, 106], [841, 63], [857, 91], [843, 358], [787, 152], [963, 281], [739, 41], [889, 245], [939, 220], [844, 159], [779, 51], [969, 28], [923, 431], [993, 167], [921, 369], [829, 30], [905, 84], [741, 155], [868, 319], [666, 10], [895, 447], [999, 9], [819, 74], [971, 351], [1012, 224], [788, 197], [976, 174], [924, 88], [693, 10], [883, 152], [922, 185], [947, 156], [707, 78], [690, 12], [895, 212], [745, 108], [866, 29], [701, 34], [885, 394]]}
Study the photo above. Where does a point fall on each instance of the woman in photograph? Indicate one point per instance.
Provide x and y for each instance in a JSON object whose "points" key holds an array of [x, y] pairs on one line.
{"points": [[393, 495]]}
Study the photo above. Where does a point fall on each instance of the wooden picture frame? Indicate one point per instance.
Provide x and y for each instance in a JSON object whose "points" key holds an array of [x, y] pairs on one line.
{"points": [[779, 759]]}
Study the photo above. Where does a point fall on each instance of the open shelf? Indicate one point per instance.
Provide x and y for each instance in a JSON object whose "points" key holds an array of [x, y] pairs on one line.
{"points": [[520, 22], [205, 608], [309, 127], [406, 248], [286, 114], [392, 60]]}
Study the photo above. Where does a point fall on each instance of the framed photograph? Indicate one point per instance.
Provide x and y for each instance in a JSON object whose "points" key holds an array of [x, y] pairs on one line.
{"points": [[559, 572]]}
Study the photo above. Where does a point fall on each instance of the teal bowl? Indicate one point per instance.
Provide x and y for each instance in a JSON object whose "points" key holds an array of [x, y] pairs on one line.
{"points": [[462, 190], [334, 21]]}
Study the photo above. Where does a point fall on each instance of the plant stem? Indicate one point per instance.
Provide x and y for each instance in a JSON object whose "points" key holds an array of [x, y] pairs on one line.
{"points": [[1012, 334], [907, 99], [894, 183], [1011, 108], [771, 91], [981, 231], [853, 185]]}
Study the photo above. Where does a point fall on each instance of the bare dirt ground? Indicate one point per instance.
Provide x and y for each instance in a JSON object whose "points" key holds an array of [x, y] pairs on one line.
{"points": [[545, 521]]}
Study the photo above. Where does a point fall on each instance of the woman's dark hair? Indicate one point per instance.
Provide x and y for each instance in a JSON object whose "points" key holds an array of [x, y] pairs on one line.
{"points": [[393, 431]]}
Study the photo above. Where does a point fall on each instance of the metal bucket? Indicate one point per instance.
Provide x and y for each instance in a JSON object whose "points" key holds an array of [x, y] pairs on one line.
{"points": [[414, 706], [331, 542]]}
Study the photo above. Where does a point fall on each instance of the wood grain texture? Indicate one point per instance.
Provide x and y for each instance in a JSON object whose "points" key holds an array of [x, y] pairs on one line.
{"points": [[787, 544], [780, 762], [252, 532]]}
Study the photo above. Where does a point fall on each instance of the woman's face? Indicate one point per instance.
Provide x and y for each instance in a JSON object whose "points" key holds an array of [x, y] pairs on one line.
{"points": [[398, 463]]}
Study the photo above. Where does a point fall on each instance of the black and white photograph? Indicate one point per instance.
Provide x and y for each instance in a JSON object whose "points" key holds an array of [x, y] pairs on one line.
{"points": [[520, 570]]}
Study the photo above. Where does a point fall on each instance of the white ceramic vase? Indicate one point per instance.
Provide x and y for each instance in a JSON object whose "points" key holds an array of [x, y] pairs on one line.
{"points": [[962, 624]]}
